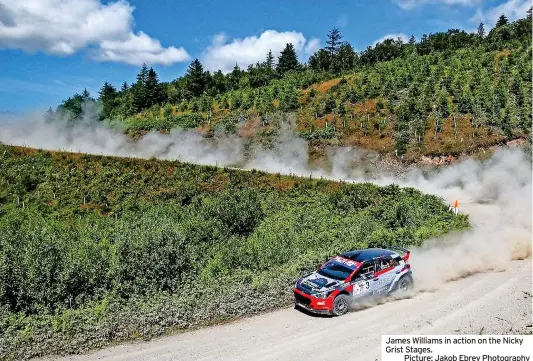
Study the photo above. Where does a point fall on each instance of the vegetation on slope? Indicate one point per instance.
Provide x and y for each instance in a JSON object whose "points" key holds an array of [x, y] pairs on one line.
{"points": [[100, 249], [449, 92]]}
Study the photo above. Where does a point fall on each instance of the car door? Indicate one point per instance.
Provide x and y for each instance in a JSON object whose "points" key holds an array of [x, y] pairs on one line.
{"points": [[384, 275], [361, 281]]}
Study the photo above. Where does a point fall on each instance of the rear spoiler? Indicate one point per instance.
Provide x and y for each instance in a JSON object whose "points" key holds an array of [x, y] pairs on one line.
{"points": [[403, 252]]}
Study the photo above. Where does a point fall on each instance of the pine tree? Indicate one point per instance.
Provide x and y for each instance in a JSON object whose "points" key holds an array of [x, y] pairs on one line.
{"points": [[140, 101], [266, 70], [481, 30], [218, 85], [334, 41], [108, 100], [269, 62], [288, 60], [502, 20], [196, 78], [126, 106], [154, 90], [86, 94], [142, 76], [235, 77]]}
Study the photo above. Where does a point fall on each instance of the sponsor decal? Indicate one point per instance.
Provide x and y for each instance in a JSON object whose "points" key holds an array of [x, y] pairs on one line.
{"points": [[319, 282], [360, 286], [342, 286], [346, 262]]}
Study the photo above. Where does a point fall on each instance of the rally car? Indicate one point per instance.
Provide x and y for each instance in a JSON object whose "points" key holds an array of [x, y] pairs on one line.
{"points": [[353, 277]]}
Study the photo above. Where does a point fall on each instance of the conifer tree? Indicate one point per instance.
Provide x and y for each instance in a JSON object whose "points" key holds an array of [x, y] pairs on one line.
{"points": [[288, 60], [502, 20], [481, 30], [196, 78], [139, 90], [269, 62], [154, 90], [334, 41], [108, 100]]}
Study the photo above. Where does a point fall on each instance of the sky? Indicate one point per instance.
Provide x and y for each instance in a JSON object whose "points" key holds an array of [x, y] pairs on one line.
{"points": [[51, 49]]}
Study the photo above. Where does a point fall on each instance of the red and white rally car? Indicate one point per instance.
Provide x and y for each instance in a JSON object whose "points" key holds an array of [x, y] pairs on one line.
{"points": [[353, 277]]}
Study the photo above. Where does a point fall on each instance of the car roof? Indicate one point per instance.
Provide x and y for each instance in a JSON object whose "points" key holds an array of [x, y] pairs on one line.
{"points": [[366, 254]]}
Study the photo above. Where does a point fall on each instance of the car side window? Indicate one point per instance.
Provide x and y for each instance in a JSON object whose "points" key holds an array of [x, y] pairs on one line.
{"points": [[397, 261], [368, 268], [385, 263]]}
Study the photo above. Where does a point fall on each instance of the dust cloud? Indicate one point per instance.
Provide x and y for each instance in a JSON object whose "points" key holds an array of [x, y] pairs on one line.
{"points": [[497, 194]]}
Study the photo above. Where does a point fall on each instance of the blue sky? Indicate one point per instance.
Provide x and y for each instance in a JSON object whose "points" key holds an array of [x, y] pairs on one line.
{"points": [[50, 49]]}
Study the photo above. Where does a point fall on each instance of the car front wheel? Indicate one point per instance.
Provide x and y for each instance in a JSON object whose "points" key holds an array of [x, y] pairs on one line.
{"points": [[341, 305]]}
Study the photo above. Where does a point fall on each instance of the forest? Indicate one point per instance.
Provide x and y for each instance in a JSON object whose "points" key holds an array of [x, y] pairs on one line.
{"points": [[445, 93], [96, 250]]}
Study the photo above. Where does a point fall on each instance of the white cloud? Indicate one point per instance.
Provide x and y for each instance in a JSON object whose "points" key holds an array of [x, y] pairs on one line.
{"points": [[513, 9], [312, 46], [402, 36], [63, 27], [223, 54], [409, 4], [138, 49]]}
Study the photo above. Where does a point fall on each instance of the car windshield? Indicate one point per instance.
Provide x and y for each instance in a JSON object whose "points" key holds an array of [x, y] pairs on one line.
{"points": [[335, 270]]}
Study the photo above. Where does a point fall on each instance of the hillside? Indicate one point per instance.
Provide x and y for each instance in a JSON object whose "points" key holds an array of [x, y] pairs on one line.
{"points": [[95, 249], [448, 93]]}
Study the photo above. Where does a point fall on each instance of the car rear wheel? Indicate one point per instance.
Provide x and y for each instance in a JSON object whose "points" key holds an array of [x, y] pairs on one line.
{"points": [[404, 284], [341, 305]]}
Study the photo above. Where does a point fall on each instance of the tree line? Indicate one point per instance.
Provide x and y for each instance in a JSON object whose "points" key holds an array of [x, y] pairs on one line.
{"points": [[379, 71]]}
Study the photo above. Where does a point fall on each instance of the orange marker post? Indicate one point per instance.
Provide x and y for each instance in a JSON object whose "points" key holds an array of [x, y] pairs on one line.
{"points": [[456, 207]]}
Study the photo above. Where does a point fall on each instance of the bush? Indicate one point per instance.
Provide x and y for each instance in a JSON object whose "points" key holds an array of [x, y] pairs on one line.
{"points": [[239, 210], [146, 123], [106, 249]]}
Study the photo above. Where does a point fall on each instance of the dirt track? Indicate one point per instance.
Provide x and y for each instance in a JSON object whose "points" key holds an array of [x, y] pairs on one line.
{"points": [[491, 303]]}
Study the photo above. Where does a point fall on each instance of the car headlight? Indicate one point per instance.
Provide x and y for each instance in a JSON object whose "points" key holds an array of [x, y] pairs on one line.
{"points": [[324, 294]]}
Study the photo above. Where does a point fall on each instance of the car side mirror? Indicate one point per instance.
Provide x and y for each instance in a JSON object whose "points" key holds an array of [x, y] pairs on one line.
{"points": [[369, 276]]}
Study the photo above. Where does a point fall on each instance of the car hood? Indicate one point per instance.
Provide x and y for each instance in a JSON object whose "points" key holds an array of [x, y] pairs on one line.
{"points": [[316, 283]]}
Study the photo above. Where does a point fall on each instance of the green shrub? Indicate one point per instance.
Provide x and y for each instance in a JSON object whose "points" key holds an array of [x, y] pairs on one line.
{"points": [[98, 249]]}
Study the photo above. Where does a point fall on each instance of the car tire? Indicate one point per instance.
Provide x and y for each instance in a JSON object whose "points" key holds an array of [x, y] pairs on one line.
{"points": [[404, 284], [341, 305]]}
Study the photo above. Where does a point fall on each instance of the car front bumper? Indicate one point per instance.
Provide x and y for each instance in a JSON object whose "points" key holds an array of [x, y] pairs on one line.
{"points": [[313, 304]]}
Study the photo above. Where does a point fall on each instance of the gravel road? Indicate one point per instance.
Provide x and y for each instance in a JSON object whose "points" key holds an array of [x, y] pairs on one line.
{"points": [[489, 303]]}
